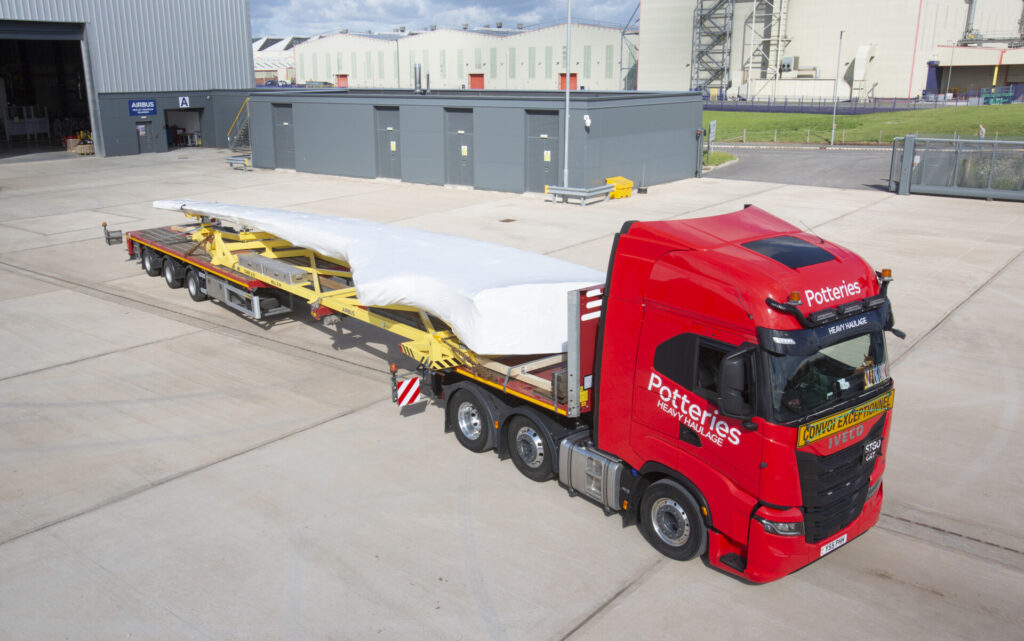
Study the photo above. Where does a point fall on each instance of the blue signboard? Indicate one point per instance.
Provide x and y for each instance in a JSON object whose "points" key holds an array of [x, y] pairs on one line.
{"points": [[142, 107]]}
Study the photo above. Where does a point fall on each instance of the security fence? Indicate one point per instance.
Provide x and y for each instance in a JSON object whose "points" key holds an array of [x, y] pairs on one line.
{"points": [[958, 167]]}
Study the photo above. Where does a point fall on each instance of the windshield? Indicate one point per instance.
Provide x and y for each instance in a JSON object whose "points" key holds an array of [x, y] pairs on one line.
{"points": [[802, 385]]}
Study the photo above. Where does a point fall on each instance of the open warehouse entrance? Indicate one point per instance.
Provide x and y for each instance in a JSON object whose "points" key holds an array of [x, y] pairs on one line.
{"points": [[43, 92]]}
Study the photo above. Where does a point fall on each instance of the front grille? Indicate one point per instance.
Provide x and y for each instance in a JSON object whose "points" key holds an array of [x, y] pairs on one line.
{"points": [[835, 486]]}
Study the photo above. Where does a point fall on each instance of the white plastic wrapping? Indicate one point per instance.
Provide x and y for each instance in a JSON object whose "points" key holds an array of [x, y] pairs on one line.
{"points": [[498, 300]]}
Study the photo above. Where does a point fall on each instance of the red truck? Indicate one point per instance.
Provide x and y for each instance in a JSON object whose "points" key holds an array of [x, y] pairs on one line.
{"points": [[727, 388]]}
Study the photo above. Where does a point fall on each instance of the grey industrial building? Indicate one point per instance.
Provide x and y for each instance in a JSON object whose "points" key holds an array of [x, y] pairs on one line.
{"points": [[58, 58], [129, 71]]}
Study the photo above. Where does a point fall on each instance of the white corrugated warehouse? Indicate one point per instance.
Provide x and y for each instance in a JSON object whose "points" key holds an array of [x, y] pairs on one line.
{"points": [[765, 48], [532, 59], [127, 46]]}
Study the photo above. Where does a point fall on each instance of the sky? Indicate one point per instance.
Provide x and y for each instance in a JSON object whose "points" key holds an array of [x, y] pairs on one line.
{"points": [[311, 17]]}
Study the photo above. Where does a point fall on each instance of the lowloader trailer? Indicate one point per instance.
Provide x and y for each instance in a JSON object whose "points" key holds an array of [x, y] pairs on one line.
{"points": [[726, 388]]}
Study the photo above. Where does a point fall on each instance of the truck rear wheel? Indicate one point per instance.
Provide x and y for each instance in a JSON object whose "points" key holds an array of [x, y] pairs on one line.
{"points": [[671, 521], [150, 262], [470, 419], [194, 285], [171, 273], [531, 449]]}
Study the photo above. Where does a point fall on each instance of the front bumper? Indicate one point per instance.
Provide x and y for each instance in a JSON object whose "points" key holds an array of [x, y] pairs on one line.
{"points": [[768, 557]]}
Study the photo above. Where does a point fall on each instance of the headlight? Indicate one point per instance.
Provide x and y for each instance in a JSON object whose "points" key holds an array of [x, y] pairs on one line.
{"points": [[782, 528]]}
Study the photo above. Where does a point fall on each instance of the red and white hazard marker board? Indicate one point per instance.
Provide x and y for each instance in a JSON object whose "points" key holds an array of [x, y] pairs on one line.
{"points": [[408, 391]]}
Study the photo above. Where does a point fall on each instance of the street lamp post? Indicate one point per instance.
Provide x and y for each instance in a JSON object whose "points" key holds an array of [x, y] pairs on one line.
{"points": [[949, 73], [835, 90]]}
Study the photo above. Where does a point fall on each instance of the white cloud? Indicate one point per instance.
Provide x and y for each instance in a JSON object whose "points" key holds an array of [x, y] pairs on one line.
{"points": [[309, 17]]}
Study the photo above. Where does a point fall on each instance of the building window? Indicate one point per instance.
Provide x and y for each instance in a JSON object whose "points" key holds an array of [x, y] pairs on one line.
{"points": [[609, 60], [586, 62], [444, 66], [369, 65], [380, 64], [511, 62], [533, 63], [352, 70], [548, 53]]}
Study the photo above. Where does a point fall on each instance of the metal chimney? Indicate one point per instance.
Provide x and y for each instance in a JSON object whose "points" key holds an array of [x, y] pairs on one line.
{"points": [[416, 70]]}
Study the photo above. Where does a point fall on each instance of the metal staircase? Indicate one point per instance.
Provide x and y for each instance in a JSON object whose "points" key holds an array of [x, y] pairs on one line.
{"points": [[238, 140], [766, 27], [712, 45], [238, 132]]}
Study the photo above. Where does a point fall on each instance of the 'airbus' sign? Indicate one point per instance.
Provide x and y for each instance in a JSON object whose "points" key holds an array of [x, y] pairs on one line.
{"points": [[142, 107]]}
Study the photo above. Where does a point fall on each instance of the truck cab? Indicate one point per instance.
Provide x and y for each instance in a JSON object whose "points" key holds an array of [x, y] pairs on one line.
{"points": [[743, 377]]}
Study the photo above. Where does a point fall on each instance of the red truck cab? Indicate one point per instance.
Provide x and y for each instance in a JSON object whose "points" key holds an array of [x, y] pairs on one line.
{"points": [[743, 361]]}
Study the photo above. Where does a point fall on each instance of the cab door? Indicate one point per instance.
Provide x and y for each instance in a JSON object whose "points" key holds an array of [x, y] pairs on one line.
{"points": [[675, 395]]}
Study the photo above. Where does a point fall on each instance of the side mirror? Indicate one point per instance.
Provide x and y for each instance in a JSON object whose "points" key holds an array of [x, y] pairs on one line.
{"points": [[732, 380]]}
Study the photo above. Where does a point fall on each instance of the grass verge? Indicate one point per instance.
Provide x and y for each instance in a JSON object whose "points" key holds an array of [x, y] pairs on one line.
{"points": [[1000, 121], [717, 158]]}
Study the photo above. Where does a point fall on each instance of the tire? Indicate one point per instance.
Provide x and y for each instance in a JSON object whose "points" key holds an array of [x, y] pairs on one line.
{"points": [[530, 447], [170, 272], [470, 418], [150, 262], [671, 521], [194, 285]]}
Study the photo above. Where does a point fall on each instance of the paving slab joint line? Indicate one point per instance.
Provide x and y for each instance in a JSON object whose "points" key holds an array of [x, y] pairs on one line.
{"points": [[950, 313], [852, 211], [203, 324], [610, 600], [99, 355], [940, 530], [676, 217], [173, 477]]}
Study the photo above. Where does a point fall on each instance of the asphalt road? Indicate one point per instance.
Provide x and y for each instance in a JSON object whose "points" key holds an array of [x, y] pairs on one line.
{"points": [[841, 168]]}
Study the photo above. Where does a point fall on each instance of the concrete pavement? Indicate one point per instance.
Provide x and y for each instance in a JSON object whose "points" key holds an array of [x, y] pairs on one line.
{"points": [[172, 470]]}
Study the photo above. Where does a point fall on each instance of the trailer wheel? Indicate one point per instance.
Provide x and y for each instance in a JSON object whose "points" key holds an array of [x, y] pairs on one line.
{"points": [[170, 271], [194, 285], [150, 262], [470, 419], [531, 449], [671, 521]]}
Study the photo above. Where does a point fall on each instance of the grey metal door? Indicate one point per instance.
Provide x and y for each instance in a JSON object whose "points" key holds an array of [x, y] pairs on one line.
{"points": [[389, 161], [458, 152], [144, 132], [284, 137], [541, 150]]}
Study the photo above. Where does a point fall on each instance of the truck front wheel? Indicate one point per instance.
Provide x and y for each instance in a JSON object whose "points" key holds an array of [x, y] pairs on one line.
{"points": [[531, 449], [470, 418], [671, 521]]}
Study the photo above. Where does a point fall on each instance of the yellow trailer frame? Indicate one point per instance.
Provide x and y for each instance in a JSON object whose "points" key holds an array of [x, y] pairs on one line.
{"points": [[327, 286]]}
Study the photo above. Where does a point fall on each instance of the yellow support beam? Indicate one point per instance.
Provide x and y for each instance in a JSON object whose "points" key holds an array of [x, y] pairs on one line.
{"points": [[330, 287]]}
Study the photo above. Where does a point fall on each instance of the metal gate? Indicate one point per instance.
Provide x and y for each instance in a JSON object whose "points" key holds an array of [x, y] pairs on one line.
{"points": [[541, 150], [389, 159], [958, 167], [284, 137], [458, 147]]}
